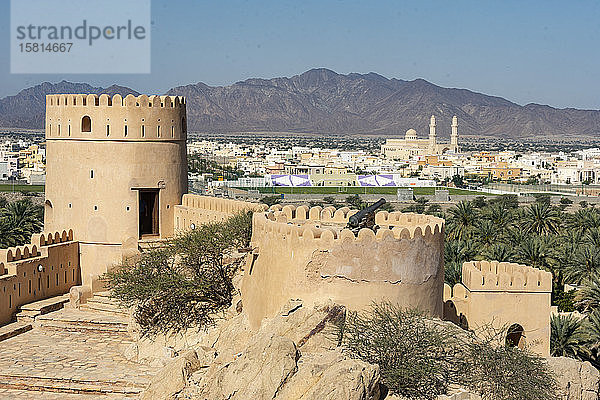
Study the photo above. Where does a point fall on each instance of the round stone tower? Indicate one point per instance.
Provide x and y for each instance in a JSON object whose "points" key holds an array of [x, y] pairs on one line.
{"points": [[116, 167]]}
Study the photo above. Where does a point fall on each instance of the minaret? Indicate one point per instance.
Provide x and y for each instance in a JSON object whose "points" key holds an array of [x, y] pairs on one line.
{"points": [[454, 136], [432, 139]]}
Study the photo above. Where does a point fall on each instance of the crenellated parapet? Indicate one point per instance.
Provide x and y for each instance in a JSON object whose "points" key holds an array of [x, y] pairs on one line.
{"points": [[308, 253], [46, 267], [506, 296], [505, 277], [130, 118], [104, 100], [198, 210], [331, 222]]}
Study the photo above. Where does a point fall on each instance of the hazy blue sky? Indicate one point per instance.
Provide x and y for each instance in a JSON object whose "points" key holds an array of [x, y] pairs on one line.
{"points": [[544, 52]]}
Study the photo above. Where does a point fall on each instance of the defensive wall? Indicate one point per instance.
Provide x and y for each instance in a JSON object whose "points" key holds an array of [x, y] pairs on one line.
{"points": [[47, 267], [505, 295], [307, 253], [198, 210]]}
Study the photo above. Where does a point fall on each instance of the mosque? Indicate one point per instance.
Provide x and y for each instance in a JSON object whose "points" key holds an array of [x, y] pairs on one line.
{"points": [[412, 146]]}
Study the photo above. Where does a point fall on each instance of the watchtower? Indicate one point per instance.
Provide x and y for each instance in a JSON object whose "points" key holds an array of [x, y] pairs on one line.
{"points": [[502, 295], [116, 167]]}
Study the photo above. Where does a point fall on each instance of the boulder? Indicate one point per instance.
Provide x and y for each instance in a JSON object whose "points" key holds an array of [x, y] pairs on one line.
{"points": [[172, 379], [257, 373], [576, 380]]}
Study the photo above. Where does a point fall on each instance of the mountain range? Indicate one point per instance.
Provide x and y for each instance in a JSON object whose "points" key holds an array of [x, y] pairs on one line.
{"points": [[323, 101]]}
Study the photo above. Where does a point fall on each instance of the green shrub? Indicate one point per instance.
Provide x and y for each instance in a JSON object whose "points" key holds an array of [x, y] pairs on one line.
{"points": [[186, 282], [419, 358]]}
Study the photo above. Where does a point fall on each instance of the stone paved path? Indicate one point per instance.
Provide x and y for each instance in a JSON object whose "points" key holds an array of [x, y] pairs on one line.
{"points": [[70, 354]]}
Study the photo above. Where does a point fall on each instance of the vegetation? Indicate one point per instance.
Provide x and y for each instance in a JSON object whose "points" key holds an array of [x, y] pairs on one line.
{"points": [[186, 282], [9, 187], [18, 221], [542, 235], [420, 358]]}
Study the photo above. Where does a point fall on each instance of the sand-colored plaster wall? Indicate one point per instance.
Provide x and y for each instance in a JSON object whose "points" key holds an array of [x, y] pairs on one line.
{"points": [[22, 282], [503, 294], [299, 254], [94, 178], [197, 210]]}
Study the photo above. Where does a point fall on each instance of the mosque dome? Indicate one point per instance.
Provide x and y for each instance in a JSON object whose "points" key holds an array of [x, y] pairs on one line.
{"points": [[411, 134]]}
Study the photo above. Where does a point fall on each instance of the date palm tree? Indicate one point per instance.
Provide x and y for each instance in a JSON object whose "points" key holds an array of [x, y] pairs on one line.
{"points": [[462, 220], [536, 252], [586, 262], [499, 252], [485, 232], [21, 219], [567, 336], [541, 218], [589, 296]]}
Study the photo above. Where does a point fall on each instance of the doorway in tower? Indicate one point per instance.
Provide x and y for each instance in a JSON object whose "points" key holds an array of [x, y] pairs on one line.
{"points": [[148, 213]]}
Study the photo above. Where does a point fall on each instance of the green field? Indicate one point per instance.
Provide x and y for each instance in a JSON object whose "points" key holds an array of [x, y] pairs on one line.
{"points": [[417, 191], [21, 188]]}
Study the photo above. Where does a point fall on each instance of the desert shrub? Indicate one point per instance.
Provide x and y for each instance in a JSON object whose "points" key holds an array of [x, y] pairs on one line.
{"points": [[419, 358], [412, 354], [187, 281]]}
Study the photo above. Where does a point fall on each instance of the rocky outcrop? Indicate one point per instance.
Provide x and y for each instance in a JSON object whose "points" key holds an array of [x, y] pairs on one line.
{"points": [[294, 356], [576, 380], [173, 378]]}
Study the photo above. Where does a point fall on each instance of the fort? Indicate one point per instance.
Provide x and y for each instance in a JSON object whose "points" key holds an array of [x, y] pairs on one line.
{"points": [[117, 179], [117, 183]]}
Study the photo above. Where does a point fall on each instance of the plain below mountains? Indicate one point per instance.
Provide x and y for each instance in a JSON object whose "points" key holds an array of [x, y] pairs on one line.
{"points": [[322, 101]]}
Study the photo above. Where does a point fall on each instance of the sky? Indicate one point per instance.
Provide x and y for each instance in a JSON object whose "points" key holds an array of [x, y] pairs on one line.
{"points": [[543, 52]]}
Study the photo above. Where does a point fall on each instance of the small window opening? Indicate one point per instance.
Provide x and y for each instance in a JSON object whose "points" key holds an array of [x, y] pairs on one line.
{"points": [[86, 124]]}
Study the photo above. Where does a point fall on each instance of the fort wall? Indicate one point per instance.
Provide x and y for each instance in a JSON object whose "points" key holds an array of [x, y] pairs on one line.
{"points": [[304, 253], [198, 210], [22, 281], [504, 295]]}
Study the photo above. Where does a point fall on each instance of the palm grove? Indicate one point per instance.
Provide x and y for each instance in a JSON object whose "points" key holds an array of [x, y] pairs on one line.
{"points": [[541, 235], [18, 221]]}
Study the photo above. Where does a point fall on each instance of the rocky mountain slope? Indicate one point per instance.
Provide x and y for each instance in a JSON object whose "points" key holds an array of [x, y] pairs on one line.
{"points": [[322, 101]]}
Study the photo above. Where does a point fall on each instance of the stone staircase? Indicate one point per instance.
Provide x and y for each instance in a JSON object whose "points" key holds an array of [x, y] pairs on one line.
{"points": [[55, 351], [103, 303]]}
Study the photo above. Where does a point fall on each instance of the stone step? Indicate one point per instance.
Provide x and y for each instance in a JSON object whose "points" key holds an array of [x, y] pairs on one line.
{"points": [[14, 329], [104, 307], [28, 312], [81, 324], [103, 300], [66, 385]]}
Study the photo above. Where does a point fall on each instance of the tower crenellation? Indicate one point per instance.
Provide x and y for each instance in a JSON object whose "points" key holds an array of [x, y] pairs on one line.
{"points": [[103, 117]]}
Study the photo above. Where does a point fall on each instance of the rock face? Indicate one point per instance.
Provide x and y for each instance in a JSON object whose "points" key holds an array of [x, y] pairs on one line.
{"points": [[291, 357], [294, 356], [576, 380]]}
